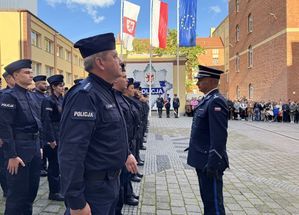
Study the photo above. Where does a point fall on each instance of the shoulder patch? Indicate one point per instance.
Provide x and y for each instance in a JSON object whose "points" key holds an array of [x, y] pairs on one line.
{"points": [[86, 87], [8, 106], [83, 115]]}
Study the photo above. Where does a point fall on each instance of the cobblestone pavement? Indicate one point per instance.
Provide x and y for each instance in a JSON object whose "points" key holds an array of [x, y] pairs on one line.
{"points": [[263, 178]]}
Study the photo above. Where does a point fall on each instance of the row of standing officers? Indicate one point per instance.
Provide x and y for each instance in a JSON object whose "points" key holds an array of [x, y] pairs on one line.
{"points": [[90, 137]]}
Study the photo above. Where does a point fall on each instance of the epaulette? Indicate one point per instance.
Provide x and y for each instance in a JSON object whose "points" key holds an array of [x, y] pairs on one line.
{"points": [[215, 96], [86, 86]]}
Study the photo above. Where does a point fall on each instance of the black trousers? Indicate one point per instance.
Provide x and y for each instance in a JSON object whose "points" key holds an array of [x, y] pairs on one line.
{"points": [[159, 112], [176, 112], [22, 188], [3, 172], [167, 111], [53, 169], [125, 191], [102, 196], [211, 191]]}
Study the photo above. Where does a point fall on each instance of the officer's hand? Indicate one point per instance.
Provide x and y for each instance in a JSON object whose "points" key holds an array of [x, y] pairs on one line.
{"points": [[52, 144], [13, 165], [131, 164], [84, 211]]}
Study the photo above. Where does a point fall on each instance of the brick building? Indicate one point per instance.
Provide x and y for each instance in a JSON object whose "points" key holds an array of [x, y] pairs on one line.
{"points": [[264, 49]]}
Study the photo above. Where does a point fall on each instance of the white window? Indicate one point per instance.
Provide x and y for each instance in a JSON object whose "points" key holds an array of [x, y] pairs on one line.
{"points": [[49, 45], [68, 55], [215, 60], [250, 57], [250, 23], [237, 62], [250, 91], [76, 60], [237, 33], [35, 39], [36, 68], [60, 52], [49, 71], [237, 6], [68, 78]]}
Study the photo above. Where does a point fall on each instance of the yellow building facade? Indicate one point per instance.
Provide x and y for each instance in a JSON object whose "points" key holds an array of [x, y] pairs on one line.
{"points": [[23, 35]]}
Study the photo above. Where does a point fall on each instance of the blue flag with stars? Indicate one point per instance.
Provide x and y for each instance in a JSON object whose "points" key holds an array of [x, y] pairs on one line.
{"points": [[187, 23]]}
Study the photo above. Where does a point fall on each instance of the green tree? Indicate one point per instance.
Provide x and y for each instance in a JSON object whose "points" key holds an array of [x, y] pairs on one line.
{"points": [[191, 53]]}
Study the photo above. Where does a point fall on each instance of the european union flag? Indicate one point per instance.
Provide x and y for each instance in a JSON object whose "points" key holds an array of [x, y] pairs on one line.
{"points": [[188, 23]]}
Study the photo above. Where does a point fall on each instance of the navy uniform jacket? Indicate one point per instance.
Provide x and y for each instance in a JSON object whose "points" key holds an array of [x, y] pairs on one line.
{"points": [[160, 102], [207, 145], [19, 116], [51, 110], [128, 114], [137, 116], [176, 102], [93, 136]]}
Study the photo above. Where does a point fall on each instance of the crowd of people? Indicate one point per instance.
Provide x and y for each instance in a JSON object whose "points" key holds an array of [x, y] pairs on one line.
{"points": [[86, 141], [270, 111]]}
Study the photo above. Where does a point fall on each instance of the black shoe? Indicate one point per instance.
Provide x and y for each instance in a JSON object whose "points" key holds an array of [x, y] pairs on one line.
{"points": [[140, 163], [139, 175], [131, 201], [135, 196], [142, 148], [56, 197], [135, 178], [43, 173]]}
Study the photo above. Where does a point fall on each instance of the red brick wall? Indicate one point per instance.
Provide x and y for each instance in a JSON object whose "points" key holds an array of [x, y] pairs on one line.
{"points": [[269, 72]]}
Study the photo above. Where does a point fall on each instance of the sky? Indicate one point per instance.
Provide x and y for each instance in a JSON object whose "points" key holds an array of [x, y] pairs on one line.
{"points": [[76, 19]]}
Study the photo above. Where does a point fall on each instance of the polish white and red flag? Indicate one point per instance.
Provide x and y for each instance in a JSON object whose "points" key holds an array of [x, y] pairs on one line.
{"points": [[159, 24], [130, 17]]}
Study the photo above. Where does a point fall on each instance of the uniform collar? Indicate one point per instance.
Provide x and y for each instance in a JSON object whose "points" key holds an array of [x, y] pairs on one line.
{"points": [[19, 88], [211, 92], [100, 81]]}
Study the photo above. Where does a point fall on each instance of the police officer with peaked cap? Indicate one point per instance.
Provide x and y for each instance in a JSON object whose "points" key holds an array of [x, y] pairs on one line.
{"points": [[10, 84], [19, 130], [40, 92], [93, 138], [207, 147], [51, 110]]}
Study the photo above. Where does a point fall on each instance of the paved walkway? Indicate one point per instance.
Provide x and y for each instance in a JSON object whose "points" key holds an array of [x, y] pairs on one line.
{"points": [[263, 179]]}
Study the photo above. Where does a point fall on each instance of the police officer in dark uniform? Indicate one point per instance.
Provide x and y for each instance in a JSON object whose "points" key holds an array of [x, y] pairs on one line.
{"points": [[160, 103], [176, 105], [51, 110], [40, 92], [10, 84], [207, 148], [167, 105], [19, 130], [94, 142], [120, 85]]}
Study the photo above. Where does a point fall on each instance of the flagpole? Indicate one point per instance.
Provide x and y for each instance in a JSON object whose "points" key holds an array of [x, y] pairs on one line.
{"points": [[150, 60], [121, 28], [177, 50]]}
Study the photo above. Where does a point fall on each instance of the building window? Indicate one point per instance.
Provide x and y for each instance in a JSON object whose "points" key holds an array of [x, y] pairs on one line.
{"points": [[68, 78], [76, 60], [250, 23], [237, 62], [250, 91], [237, 33], [60, 52], [215, 52], [36, 68], [81, 63], [238, 93], [68, 56], [35, 39], [237, 6], [49, 45], [250, 57], [215, 60], [49, 71]]}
